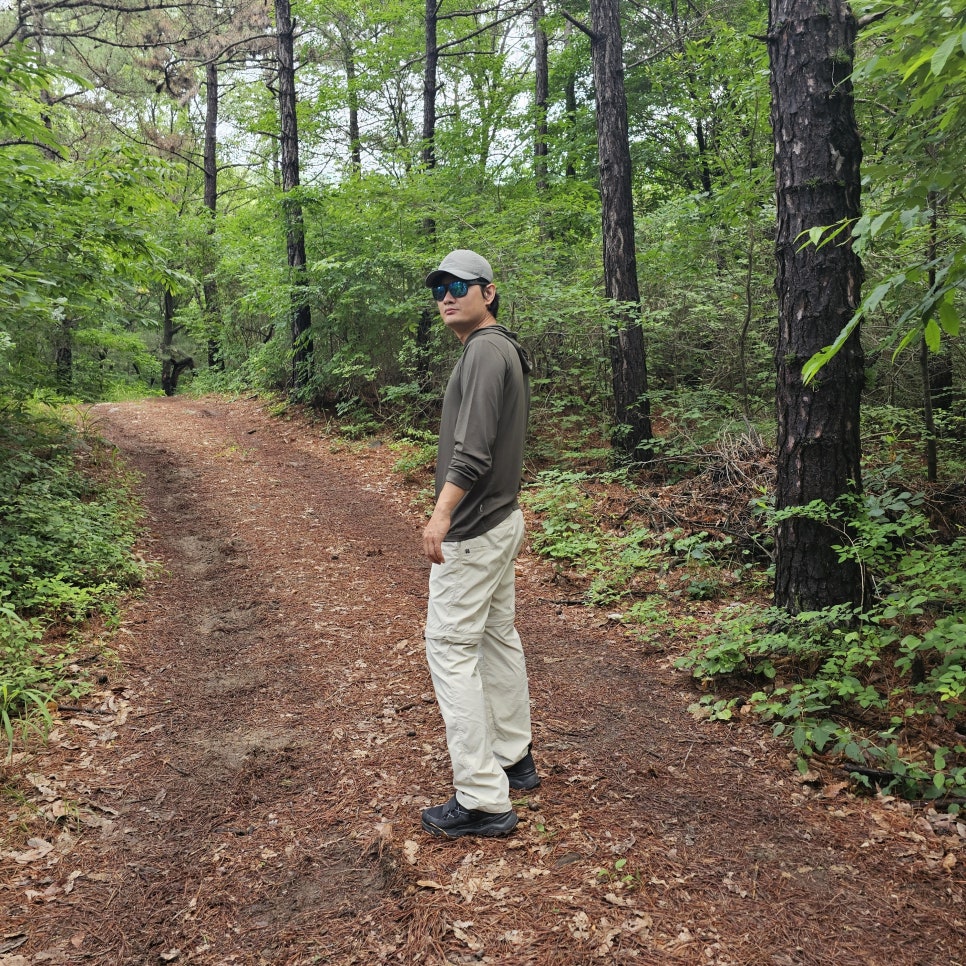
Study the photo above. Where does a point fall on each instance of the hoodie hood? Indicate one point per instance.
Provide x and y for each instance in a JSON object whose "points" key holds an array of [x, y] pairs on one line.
{"points": [[511, 337]]}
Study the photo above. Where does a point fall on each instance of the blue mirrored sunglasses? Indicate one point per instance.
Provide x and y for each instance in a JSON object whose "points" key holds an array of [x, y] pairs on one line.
{"points": [[457, 288]]}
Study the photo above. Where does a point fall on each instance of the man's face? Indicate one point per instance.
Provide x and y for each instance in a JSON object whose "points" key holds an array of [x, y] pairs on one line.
{"points": [[466, 313]]}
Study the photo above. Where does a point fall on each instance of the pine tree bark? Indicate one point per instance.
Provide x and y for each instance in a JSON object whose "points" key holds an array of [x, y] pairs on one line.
{"points": [[817, 163], [628, 362], [209, 285], [430, 84], [424, 325], [301, 317], [541, 94]]}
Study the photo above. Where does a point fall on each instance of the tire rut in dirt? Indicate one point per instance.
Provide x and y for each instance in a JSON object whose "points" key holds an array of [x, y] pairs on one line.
{"points": [[224, 815]]}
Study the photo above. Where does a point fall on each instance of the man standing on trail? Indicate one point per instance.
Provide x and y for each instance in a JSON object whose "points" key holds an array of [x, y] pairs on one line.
{"points": [[472, 539]]}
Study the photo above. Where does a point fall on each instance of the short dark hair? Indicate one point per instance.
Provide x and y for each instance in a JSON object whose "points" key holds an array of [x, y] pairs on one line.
{"points": [[495, 304]]}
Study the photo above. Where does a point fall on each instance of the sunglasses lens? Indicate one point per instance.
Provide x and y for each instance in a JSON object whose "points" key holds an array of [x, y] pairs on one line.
{"points": [[457, 289]]}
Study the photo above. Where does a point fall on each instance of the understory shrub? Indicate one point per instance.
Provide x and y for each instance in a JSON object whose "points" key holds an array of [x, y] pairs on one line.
{"points": [[67, 528], [573, 529], [882, 686]]}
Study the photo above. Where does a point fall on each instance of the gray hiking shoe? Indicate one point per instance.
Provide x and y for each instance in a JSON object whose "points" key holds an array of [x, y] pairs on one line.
{"points": [[452, 820]]}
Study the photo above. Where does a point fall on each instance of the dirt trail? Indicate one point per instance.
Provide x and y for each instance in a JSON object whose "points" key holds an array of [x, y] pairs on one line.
{"points": [[245, 786]]}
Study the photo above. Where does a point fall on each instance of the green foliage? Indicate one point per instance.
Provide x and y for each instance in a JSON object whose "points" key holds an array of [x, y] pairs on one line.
{"points": [[620, 874], [572, 531], [65, 554], [853, 684], [65, 546], [29, 679], [416, 453], [568, 530], [910, 77], [78, 246]]}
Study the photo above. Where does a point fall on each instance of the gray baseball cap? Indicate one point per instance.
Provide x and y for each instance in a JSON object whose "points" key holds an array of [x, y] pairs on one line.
{"points": [[461, 264]]}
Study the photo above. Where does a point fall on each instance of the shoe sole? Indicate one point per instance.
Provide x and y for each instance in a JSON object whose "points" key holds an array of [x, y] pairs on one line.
{"points": [[484, 831]]}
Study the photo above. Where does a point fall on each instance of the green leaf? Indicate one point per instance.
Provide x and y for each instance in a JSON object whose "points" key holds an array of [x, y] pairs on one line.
{"points": [[814, 365], [941, 55], [822, 732], [948, 316]]}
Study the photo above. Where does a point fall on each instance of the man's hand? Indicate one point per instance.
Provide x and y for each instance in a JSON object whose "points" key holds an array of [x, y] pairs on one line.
{"points": [[433, 535], [439, 522]]}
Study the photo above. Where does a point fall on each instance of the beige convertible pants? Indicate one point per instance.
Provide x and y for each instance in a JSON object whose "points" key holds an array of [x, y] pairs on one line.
{"points": [[477, 664]]}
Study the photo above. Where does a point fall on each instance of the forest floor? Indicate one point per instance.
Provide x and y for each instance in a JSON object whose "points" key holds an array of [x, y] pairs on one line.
{"points": [[244, 786]]}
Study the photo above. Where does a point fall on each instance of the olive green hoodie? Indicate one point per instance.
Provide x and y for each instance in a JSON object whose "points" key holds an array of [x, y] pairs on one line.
{"points": [[483, 430]]}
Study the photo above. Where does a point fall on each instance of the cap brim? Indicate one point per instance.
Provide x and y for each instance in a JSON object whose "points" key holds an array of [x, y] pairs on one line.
{"points": [[435, 278]]}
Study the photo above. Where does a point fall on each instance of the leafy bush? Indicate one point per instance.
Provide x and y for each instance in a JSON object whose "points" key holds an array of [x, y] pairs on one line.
{"points": [[865, 684], [572, 529], [65, 544], [65, 555], [29, 680], [568, 529]]}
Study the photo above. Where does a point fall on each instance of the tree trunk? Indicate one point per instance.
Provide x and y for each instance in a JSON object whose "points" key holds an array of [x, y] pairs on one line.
{"points": [[173, 362], [936, 367], [817, 161], [301, 318], [355, 138], [680, 32], [430, 86], [209, 286], [628, 365], [64, 355], [570, 113], [424, 324], [541, 95]]}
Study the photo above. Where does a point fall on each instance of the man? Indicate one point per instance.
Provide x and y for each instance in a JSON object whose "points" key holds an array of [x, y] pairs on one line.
{"points": [[472, 539]]}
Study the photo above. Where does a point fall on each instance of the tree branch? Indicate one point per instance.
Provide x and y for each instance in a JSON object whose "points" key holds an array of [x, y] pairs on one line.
{"points": [[580, 25], [871, 18]]}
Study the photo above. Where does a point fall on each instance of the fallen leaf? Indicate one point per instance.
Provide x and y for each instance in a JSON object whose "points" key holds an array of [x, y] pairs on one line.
{"points": [[71, 879], [638, 924], [429, 884], [38, 849], [12, 941]]}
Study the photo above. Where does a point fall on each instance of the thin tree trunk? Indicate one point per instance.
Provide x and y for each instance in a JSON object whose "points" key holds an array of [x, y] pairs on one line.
{"points": [[541, 95], [301, 318], [428, 154], [209, 285], [430, 85], [570, 112], [817, 161], [936, 367], [355, 139], [168, 382], [64, 354], [173, 362], [628, 364]]}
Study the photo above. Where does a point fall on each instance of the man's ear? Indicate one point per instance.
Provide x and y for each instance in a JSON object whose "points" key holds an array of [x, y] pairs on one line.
{"points": [[489, 293]]}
